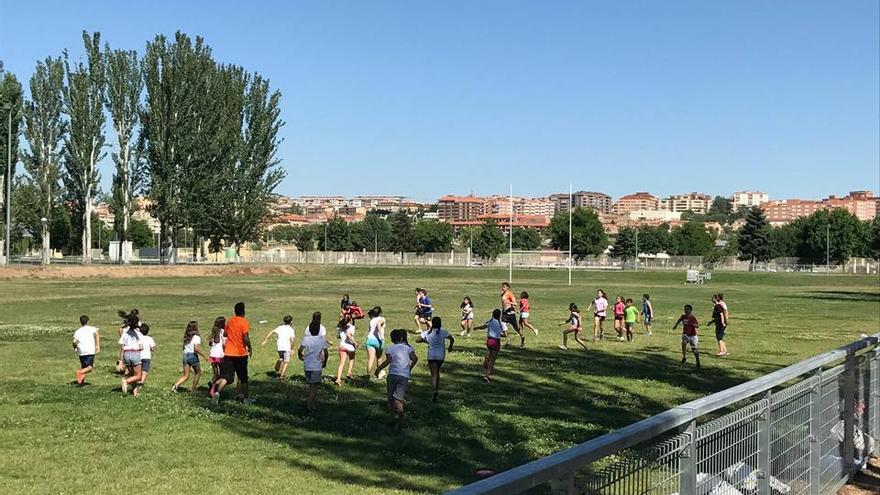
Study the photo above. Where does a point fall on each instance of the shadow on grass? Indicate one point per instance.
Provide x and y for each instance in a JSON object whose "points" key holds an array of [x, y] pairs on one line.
{"points": [[542, 401], [839, 295]]}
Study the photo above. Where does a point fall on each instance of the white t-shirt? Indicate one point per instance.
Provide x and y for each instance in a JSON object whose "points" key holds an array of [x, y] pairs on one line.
{"points": [[436, 343], [191, 347], [400, 360], [130, 341], [346, 334], [148, 343], [374, 327], [85, 340], [467, 311], [217, 348], [285, 333], [312, 347]]}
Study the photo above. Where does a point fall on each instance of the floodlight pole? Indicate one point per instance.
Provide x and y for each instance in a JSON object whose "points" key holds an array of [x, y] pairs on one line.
{"points": [[570, 195], [827, 248], [637, 249]]}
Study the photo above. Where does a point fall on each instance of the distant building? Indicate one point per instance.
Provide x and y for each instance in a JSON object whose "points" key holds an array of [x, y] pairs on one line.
{"points": [[460, 208], [862, 204], [598, 201], [637, 201], [748, 199], [696, 202], [538, 222], [652, 217]]}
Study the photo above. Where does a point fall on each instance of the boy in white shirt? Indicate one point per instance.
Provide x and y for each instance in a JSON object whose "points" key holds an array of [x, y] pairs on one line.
{"points": [[147, 352], [313, 353], [285, 335], [86, 343], [400, 359]]}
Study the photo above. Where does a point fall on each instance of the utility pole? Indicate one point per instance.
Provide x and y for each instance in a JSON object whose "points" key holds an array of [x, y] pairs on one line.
{"points": [[828, 248], [637, 249], [569, 231], [8, 107]]}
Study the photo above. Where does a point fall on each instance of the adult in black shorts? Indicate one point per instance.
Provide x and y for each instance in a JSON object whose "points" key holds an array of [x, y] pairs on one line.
{"points": [[235, 362], [719, 318], [508, 312]]}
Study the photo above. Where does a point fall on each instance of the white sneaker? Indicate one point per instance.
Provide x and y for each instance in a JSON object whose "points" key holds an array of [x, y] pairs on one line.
{"points": [[620, 339], [215, 399], [564, 348], [124, 386], [462, 334], [382, 374]]}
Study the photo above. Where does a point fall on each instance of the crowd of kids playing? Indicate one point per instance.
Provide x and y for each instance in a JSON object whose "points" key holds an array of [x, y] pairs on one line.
{"points": [[229, 345]]}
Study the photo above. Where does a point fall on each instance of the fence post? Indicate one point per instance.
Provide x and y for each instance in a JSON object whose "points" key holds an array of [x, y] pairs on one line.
{"points": [[764, 446], [874, 398], [688, 462], [849, 395], [816, 433], [563, 485]]}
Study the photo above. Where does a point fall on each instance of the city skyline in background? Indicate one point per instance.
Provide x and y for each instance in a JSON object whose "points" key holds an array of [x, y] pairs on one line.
{"points": [[422, 101]]}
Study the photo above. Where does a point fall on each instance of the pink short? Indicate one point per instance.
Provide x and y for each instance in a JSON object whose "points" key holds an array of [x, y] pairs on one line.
{"points": [[493, 344], [214, 360]]}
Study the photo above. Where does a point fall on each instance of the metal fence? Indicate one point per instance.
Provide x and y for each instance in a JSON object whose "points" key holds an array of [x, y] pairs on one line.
{"points": [[802, 430]]}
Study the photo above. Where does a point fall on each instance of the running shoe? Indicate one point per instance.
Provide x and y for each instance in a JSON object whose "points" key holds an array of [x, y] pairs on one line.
{"points": [[564, 348], [124, 386]]}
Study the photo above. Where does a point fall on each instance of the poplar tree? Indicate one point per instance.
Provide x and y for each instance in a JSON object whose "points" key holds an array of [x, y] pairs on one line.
{"points": [[10, 94], [83, 98], [124, 87], [44, 131]]}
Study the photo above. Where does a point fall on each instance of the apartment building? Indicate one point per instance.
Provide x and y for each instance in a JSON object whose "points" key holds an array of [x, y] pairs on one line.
{"points": [[862, 204], [460, 208], [748, 199], [638, 201], [693, 201], [598, 201]]}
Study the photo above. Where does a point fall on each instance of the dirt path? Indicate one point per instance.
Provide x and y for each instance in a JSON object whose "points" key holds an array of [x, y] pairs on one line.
{"points": [[867, 482], [111, 271]]}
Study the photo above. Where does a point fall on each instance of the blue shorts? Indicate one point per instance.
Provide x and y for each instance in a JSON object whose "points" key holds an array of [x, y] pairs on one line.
{"points": [[191, 359], [86, 361], [648, 319], [145, 365], [374, 343]]}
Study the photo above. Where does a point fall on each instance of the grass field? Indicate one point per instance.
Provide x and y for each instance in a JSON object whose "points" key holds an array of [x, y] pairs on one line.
{"points": [[63, 439]]}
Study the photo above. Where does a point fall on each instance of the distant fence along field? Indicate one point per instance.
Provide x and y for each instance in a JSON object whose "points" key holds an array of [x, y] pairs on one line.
{"points": [[531, 259]]}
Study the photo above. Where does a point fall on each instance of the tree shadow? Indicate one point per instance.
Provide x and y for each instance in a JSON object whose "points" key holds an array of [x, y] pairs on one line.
{"points": [[539, 403], [839, 295]]}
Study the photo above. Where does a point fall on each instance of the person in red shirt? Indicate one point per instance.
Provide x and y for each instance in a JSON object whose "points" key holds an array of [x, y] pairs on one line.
{"points": [[235, 361], [688, 334], [524, 307]]}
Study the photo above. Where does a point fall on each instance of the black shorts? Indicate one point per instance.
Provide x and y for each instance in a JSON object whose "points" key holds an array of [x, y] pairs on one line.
{"points": [[438, 362], [86, 361], [233, 366], [509, 317], [719, 331]]}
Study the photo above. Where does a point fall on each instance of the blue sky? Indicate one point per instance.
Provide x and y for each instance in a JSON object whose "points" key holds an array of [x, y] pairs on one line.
{"points": [[427, 98]]}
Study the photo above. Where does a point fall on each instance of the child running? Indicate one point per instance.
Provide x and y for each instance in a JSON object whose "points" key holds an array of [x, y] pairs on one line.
{"points": [[618, 316], [630, 317], [120, 367], [424, 309], [575, 327], [313, 354], [148, 345], [508, 312], [599, 307], [689, 334], [524, 312], [86, 343], [347, 348], [467, 317], [285, 336], [494, 332], [130, 345], [400, 359], [436, 339], [375, 342], [192, 349], [647, 313], [216, 354]]}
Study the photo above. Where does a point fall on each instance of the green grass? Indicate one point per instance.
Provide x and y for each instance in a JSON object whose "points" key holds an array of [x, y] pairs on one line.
{"points": [[63, 439]]}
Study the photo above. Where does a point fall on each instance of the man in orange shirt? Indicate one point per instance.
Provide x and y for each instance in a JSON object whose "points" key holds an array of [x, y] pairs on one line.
{"points": [[235, 362], [508, 311]]}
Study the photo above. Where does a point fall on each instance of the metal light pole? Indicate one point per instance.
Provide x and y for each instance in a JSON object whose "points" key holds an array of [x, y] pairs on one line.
{"points": [[569, 232], [8, 107], [827, 248], [510, 246], [637, 249], [45, 222]]}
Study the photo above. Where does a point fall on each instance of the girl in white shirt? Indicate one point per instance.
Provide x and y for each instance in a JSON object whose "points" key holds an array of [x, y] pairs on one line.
{"points": [[192, 349], [375, 338], [347, 348], [215, 356], [467, 317], [436, 339]]}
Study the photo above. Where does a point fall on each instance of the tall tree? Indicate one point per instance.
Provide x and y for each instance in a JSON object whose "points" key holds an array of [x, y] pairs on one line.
{"points": [[489, 241], [691, 239], [874, 238], [526, 239], [588, 235], [10, 95], [257, 173], [335, 236], [124, 86], [719, 210], [44, 130], [371, 233], [402, 232], [625, 245], [83, 145], [431, 236], [836, 232], [753, 238]]}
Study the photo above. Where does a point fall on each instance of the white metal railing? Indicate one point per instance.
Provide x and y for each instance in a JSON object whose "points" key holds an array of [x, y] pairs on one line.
{"points": [[804, 429]]}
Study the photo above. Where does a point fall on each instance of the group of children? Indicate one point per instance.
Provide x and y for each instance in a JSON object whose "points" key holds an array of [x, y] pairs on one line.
{"points": [[229, 343]]}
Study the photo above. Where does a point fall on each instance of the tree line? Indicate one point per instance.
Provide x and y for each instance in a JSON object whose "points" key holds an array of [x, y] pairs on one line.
{"points": [[197, 137]]}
